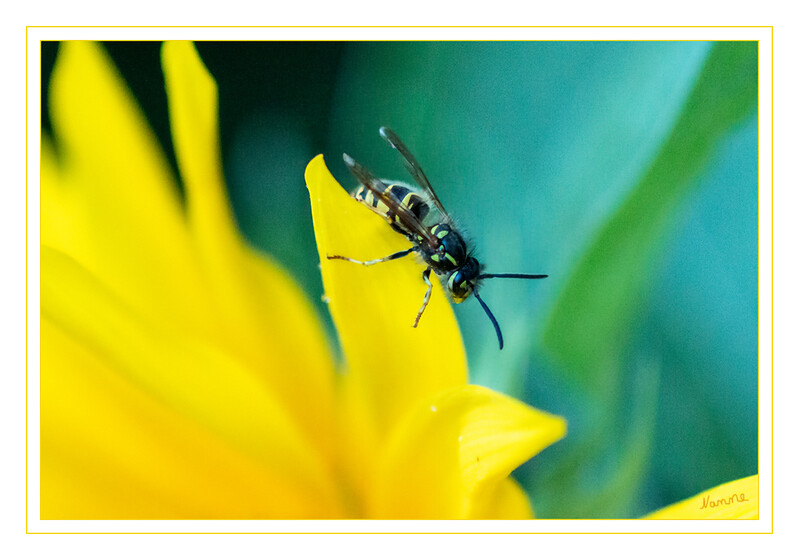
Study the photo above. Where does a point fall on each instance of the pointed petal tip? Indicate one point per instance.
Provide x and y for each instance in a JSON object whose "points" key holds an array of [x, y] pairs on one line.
{"points": [[457, 447], [315, 171]]}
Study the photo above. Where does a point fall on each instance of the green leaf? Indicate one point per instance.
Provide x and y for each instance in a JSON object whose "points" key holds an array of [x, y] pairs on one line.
{"points": [[594, 314]]}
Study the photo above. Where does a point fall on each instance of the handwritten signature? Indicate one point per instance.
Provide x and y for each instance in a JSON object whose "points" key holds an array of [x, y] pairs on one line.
{"points": [[728, 501]]}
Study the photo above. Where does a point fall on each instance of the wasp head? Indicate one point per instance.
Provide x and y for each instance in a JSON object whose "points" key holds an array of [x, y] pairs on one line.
{"points": [[461, 282]]}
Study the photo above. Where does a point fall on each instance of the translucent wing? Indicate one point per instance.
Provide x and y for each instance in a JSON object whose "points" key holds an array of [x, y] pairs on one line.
{"points": [[378, 188], [414, 168]]}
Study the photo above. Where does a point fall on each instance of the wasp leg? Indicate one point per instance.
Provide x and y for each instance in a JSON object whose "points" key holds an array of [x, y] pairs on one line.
{"points": [[426, 278], [398, 255]]}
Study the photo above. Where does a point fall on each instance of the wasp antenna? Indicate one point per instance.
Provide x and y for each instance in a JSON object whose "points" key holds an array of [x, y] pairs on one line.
{"points": [[529, 276], [490, 316]]}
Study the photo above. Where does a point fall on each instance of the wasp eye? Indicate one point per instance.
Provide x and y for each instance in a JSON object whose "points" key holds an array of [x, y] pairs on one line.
{"points": [[459, 287]]}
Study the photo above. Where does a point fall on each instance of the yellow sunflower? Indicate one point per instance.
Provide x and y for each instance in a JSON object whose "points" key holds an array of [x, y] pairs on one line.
{"points": [[185, 376]]}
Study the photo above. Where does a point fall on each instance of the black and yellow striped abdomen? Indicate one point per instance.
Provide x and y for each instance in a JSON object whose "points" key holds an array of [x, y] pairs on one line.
{"points": [[402, 194]]}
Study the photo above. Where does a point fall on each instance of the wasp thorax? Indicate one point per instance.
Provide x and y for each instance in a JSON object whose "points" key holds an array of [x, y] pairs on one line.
{"points": [[451, 253]]}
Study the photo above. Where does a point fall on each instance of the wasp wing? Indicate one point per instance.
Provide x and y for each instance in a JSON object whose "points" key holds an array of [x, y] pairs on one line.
{"points": [[414, 168], [405, 216]]}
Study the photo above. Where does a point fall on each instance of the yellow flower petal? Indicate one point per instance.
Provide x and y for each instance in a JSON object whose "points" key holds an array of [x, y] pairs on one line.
{"points": [[447, 458], [110, 449], [507, 501], [198, 381], [734, 500], [374, 307], [193, 110], [264, 318], [357, 442], [110, 201]]}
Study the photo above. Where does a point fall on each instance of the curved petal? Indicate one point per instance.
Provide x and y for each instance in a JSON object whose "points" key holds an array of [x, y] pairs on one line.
{"points": [[193, 379], [447, 458], [507, 501], [262, 315], [374, 308], [734, 500], [111, 449]]}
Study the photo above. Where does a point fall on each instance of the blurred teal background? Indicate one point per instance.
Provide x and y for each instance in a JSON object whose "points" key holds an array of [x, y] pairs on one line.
{"points": [[627, 171]]}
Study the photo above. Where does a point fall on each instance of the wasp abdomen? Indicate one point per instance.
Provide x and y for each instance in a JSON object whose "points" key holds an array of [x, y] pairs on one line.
{"points": [[405, 196]]}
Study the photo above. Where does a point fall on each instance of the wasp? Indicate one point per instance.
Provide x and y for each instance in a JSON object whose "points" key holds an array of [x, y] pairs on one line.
{"points": [[440, 245]]}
